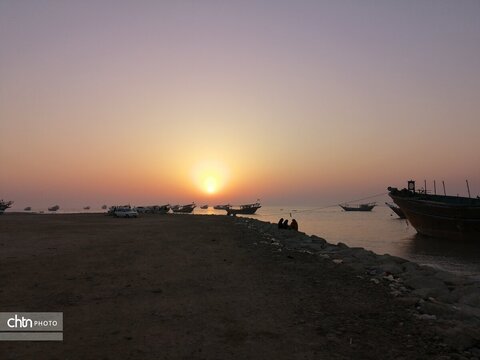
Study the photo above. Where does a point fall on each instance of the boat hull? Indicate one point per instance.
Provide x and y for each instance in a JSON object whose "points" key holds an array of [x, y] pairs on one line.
{"points": [[397, 211], [244, 211], [362, 208], [437, 219], [187, 209]]}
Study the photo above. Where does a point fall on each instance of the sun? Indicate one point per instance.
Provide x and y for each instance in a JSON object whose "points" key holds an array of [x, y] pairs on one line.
{"points": [[210, 185], [210, 177]]}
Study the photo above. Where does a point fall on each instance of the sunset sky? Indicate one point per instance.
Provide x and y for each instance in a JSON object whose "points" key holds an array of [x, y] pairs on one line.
{"points": [[292, 102]]}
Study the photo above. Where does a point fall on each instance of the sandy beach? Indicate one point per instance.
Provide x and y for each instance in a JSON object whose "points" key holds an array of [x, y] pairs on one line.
{"points": [[198, 287]]}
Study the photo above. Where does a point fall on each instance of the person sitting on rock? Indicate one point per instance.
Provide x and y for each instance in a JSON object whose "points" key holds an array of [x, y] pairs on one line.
{"points": [[280, 223], [285, 224], [294, 225]]}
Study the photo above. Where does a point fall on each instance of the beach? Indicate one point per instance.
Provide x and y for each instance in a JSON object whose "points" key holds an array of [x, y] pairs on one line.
{"points": [[217, 287]]}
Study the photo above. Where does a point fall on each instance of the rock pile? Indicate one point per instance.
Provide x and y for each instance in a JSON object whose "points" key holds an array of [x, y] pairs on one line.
{"points": [[449, 301]]}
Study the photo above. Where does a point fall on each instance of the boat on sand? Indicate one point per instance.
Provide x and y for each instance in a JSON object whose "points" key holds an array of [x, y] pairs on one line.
{"points": [[187, 209]]}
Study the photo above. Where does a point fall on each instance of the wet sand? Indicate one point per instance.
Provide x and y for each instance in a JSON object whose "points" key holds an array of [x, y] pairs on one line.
{"points": [[194, 287]]}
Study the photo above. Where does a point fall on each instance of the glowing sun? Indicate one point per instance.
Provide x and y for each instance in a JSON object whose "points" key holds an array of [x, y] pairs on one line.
{"points": [[210, 176], [210, 185]]}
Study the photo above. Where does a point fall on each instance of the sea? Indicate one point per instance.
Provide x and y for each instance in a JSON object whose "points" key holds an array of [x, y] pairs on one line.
{"points": [[380, 231]]}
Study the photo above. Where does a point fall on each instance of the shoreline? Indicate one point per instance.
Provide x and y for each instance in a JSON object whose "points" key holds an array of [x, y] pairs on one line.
{"points": [[223, 287]]}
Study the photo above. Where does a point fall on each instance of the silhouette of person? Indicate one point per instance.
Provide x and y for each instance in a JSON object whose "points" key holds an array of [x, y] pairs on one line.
{"points": [[285, 224], [280, 223], [294, 225]]}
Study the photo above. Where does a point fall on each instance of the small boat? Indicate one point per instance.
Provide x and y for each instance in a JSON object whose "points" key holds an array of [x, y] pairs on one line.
{"points": [[247, 209], [54, 208], [28, 208], [222, 207], [184, 208], [104, 207], [442, 216], [4, 205], [204, 207], [86, 208], [396, 210], [360, 207]]}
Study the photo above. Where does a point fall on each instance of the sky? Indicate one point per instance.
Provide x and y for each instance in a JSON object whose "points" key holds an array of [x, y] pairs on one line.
{"points": [[292, 102]]}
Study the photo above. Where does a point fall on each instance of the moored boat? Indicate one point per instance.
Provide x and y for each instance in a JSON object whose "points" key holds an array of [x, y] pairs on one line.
{"points": [[247, 209], [28, 208], [204, 207], [396, 210], [54, 208], [451, 217], [359, 207], [86, 208], [184, 208]]}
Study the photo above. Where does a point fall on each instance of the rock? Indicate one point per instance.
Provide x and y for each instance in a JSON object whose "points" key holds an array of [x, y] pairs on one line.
{"points": [[387, 258], [391, 268], [410, 267], [461, 337], [431, 292], [337, 261], [408, 300], [318, 240], [425, 282], [440, 310], [452, 279], [426, 317], [468, 295], [342, 245], [375, 281]]}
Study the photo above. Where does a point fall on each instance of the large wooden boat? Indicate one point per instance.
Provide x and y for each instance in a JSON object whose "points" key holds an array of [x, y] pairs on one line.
{"points": [[452, 217], [184, 208], [396, 210], [247, 209], [360, 207]]}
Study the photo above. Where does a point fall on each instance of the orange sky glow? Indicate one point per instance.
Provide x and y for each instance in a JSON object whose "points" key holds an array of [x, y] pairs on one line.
{"points": [[290, 102]]}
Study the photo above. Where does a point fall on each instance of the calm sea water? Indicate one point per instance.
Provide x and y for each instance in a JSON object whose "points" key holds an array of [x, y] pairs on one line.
{"points": [[379, 230], [384, 233]]}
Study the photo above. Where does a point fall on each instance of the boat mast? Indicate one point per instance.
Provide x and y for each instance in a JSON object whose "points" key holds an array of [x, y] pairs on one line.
{"points": [[444, 192], [468, 188]]}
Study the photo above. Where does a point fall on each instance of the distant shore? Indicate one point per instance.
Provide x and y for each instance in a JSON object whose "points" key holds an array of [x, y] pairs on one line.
{"points": [[216, 287]]}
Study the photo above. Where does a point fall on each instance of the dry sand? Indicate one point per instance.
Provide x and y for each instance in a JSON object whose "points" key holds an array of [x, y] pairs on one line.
{"points": [[193, 287]]}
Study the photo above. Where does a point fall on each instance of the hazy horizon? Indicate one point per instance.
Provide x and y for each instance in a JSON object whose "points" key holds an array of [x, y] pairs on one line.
{"points": [[305, 102]]}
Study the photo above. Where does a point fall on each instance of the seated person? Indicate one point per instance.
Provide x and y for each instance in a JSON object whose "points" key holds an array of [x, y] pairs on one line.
{"points": [[294, 225]]}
